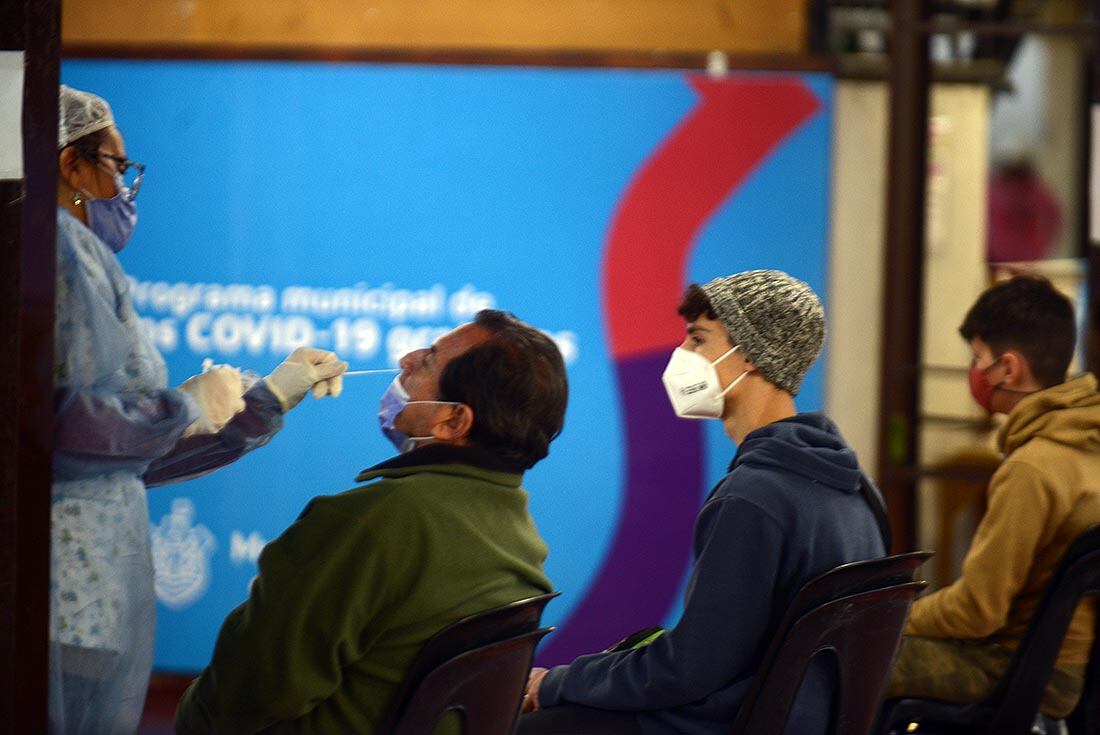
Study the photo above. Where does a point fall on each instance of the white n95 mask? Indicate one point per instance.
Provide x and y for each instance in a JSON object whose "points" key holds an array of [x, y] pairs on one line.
{"points": [[692, 384]]}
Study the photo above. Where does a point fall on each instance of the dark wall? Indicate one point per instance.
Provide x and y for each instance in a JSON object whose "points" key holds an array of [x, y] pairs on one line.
{"points": [[26, 328]]}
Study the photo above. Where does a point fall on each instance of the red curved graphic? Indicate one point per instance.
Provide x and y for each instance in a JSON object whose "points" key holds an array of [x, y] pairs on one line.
{"points": [[736, 124]]}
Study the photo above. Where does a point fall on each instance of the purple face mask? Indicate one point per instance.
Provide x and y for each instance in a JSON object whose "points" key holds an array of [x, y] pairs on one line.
{"points": [[113, 220], [393, 402]]}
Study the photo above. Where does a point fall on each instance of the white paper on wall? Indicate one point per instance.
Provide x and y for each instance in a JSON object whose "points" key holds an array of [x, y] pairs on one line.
{"points": [[11, 115]]}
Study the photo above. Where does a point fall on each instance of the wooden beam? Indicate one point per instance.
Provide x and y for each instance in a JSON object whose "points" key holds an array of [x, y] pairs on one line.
{"points": [[676, 26], [461, 56]]}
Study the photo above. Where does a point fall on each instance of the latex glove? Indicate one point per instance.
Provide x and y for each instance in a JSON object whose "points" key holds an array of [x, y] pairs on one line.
{"points": [[306, 368], [219, 392]]}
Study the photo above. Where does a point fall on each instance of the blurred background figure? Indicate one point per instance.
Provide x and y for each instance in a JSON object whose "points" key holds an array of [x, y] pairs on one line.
{"points": [[1025, 217]]}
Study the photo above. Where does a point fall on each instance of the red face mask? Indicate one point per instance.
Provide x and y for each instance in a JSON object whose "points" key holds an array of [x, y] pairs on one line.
{"points": [[981, 388]]}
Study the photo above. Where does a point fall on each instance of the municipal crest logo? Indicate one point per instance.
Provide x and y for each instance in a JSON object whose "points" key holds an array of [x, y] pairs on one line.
{"points": [[181, 556]]}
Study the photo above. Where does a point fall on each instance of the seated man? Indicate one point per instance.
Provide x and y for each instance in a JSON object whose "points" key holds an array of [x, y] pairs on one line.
{"points": [[793, 505], [1045, 492], [346, 597]]}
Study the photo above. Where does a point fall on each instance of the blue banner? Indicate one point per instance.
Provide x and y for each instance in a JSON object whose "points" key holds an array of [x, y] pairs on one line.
{"points": [[369, 208]]}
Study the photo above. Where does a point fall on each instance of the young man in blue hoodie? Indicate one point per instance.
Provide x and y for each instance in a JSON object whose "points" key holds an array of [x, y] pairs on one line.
{"points": [[793, 505]]}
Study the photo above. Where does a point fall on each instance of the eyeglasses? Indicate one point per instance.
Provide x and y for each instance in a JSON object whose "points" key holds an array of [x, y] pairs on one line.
{"points": [[131, 172]]}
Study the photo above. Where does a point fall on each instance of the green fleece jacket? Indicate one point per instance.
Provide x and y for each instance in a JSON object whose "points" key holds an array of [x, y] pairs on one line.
{"points": [[349, 593], [1043, 495]]}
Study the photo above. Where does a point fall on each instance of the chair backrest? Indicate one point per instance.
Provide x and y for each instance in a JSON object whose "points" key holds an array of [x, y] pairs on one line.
{"points": [[484, 685], [862, 631], [841, 581], [1020, 689], [474, 631], [857, 576]]}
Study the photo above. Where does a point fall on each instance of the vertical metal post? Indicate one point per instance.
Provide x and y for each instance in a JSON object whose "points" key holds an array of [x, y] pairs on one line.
{"points": [[1092, 202], [27, 231], [818, 27], [904, 266]]}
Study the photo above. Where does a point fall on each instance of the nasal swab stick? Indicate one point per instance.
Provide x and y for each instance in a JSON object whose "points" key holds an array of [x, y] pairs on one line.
{"points": [[371, 372]]}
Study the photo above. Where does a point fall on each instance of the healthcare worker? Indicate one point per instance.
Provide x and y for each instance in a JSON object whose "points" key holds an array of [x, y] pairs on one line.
{"points": [[118, 428]]}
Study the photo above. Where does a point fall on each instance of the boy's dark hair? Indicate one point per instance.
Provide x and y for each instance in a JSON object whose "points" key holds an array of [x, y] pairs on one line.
{"points": [[1028, 315], [516, 385], [695, 304]]}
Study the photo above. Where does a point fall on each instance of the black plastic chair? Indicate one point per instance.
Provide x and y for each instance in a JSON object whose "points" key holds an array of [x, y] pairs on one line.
{"points": [[484, 686], [500, 625], [861, 631], [1085, 718], [1012, 707], [845, 580]]}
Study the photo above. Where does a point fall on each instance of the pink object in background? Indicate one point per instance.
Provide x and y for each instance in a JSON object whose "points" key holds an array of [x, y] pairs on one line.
{"points": [[1024, 216]]}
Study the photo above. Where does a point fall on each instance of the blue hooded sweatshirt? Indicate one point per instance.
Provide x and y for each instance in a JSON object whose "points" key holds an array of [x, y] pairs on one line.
{"points": [[789, 509]]}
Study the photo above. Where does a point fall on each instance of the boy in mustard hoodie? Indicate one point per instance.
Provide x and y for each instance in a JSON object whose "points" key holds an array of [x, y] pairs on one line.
{"points": [[1045, 492]]}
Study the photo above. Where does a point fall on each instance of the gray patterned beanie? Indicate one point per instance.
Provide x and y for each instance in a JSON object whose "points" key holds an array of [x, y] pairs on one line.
{"points": [[776, 319]]}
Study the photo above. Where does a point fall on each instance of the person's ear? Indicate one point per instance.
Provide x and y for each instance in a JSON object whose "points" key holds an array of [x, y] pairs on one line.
{"points": [[1016, 369], [456, 426], [69, 166], [66, 162]]}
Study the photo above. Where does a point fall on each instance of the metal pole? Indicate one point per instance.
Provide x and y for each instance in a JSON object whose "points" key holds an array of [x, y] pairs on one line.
{"points": [[904, 266], [1092, 203]]}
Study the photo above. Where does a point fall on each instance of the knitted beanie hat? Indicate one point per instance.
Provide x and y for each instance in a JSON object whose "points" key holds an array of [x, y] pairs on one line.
{"points": [[776, 319]]}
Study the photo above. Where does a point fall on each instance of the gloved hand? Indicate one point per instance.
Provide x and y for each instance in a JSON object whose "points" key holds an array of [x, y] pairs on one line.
{"points": [[218, 392], [307, 367]]}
